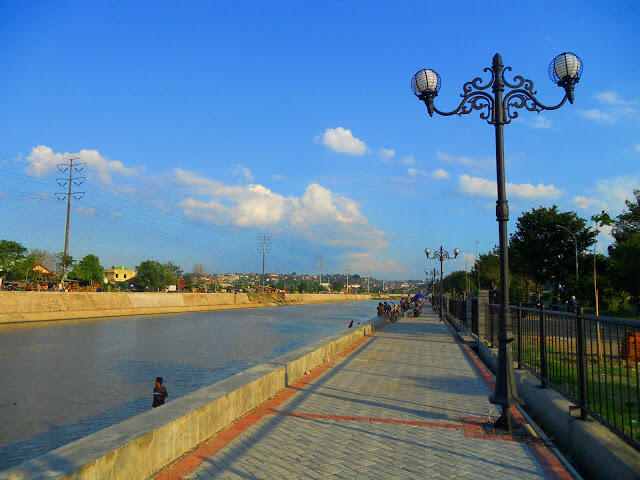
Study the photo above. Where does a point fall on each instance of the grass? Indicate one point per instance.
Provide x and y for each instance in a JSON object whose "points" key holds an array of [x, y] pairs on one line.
{"points": [[612, 313], [612, 383]]}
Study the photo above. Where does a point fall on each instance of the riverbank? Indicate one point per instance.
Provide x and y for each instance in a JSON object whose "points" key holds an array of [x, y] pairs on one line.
{"points": [[27, 307], [140, 446]]}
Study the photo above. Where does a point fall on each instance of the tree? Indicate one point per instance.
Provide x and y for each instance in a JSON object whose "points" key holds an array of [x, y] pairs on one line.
{"points": [[337, 286], [26, 266], [65, 261], [543, 252], [625, 252], [11, 254], [152, 275], [628, 223], [488, 265], [88, 270], [455, 282], [173, 273]]}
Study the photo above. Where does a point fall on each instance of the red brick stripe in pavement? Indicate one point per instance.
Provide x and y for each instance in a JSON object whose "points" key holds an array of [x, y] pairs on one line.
{"points": [[193, 459], [472, 426]]}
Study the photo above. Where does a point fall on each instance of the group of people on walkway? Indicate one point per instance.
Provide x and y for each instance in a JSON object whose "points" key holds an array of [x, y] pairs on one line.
{"points": [[407, 307]]}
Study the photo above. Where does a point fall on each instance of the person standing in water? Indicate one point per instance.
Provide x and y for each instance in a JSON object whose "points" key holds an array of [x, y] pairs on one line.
{"points": [[159, 393]]}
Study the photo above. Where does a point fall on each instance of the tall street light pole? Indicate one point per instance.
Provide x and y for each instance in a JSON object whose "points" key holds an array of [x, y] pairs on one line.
{"points": [[498, 110], [441, 255], [575, 240]]}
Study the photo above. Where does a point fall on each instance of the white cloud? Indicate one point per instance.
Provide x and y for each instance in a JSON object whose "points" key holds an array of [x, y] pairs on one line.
{"points": [[243, 172], [437, 174], [341, 140], [386, 153], [488, 188], [582, 201], [609, 194], [86, 211], [409, 160], [614, 108], [469, 259], [597, 115], [367, 262], [319, 214], [613, 98], [481, 163], [541, 122], [43, 160]]}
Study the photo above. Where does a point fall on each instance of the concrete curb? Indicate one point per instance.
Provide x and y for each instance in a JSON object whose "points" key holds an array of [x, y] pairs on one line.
{"points": [[144, 444], [23, 308], [592, 448]]}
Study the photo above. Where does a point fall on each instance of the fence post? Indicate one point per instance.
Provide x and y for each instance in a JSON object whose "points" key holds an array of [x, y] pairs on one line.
{"points": [[543, 348], [490, 324], [468, 310], [483, 302], [582, 364], [519, 333]]}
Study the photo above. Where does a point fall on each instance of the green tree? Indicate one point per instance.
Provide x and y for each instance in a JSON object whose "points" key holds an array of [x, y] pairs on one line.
{"points": [[337, 286], [151, 275], [488, 266], [25, 267], [625, 252], [173, 273], [542, 251], [11, 255], [64, 263], [456, 282], [88, 270], [628, 223]]}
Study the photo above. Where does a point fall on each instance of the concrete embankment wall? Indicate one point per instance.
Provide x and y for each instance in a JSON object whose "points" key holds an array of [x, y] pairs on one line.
{"points": [[142, 445], [16, 307]]}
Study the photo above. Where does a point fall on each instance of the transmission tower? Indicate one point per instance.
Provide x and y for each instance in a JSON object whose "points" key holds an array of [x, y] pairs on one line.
{"points": [[320, 265], [264, 247], [74, 179]]}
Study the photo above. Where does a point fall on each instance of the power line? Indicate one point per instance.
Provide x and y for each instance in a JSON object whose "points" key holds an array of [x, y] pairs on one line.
{"points": [[70, 182], [264, 247]]}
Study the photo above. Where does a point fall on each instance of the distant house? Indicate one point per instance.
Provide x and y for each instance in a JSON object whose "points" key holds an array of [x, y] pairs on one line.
{"points": [[118, 273], [43, 271]]}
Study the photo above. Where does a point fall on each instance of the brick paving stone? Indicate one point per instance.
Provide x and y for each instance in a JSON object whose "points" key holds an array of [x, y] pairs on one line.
{"points": [[412, 371]]}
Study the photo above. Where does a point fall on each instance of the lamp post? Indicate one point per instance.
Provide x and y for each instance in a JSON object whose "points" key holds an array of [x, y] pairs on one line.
{"points": [[575, 240], [498, 110], [441, 255]]}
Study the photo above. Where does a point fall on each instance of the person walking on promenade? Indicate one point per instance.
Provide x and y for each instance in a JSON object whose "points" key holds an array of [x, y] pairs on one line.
{"points": [[159, 393]]}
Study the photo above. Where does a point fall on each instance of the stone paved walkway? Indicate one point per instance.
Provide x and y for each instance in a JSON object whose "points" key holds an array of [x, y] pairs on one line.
{"points": [[406, 404]]}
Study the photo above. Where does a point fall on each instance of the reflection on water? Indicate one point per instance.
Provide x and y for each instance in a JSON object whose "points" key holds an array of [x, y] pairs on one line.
{"points": [[61, 382]]}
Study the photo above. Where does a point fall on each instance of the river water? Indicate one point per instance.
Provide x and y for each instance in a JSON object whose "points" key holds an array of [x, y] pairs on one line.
{"points": [[63, 381]]}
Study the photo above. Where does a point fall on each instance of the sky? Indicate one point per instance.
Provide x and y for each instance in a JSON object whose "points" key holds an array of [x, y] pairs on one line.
{"points": [[200, 125]]}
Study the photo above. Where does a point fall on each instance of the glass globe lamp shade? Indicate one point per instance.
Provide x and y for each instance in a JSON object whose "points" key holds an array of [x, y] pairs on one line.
{"points": [[565, 68], [427, 251], [456, 252], [424, 82]]}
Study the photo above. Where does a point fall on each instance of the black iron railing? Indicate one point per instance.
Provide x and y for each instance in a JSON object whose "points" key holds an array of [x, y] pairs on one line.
{"points": [[592, 361]]}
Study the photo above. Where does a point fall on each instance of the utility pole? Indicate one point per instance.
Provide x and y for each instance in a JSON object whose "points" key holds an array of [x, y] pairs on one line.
{"points": [[320, 265], [72, 169], [264, 247], [477, 266], [347, 283]]}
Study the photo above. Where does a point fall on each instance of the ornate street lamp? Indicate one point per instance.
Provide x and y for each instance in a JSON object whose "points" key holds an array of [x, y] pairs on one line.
{"points": [[565, 70], [441, 255]]}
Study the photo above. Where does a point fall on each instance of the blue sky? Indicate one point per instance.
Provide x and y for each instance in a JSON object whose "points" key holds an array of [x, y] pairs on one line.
{"points": [[204, 124]]}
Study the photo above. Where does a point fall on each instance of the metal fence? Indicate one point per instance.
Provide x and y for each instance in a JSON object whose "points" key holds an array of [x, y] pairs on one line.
{"points": [[592, 361]]}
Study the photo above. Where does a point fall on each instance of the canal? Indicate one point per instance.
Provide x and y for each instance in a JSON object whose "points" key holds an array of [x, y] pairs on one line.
{"points": [[63, 381]]}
